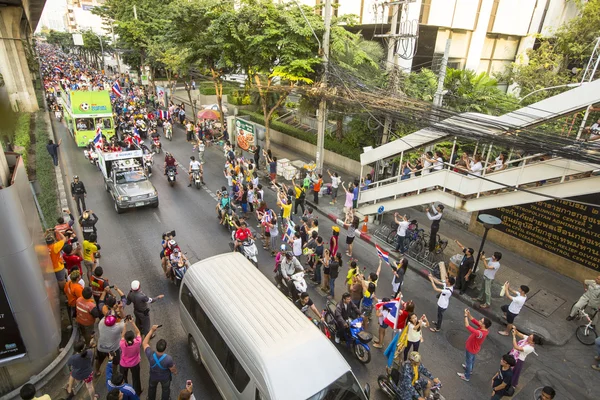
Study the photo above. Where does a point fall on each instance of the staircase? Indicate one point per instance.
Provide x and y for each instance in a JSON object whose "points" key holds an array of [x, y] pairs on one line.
{"points": [[524, 181]]}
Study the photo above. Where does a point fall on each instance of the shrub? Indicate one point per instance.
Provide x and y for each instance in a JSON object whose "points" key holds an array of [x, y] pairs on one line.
{"points": [[22, 138], [45, 172]]}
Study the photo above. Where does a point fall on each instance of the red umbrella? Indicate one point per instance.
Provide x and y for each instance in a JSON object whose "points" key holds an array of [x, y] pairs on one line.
{"points": [[209, 114]]}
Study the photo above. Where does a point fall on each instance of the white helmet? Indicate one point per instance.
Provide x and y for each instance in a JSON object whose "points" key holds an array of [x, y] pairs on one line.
{"points": [[135, 285]]}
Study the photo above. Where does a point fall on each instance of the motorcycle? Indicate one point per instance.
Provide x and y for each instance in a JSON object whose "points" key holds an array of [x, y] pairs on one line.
{"points": [[142, 128], [388, 385], [293, 287], [356, 337], [177, 271], [156, 147], [197, 178], [248, 249], [148, 161], [169, 133], [171, 175], [91, 156]]}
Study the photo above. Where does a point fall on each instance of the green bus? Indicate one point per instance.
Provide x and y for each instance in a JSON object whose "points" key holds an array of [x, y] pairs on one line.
{"points": [[84, 111]]}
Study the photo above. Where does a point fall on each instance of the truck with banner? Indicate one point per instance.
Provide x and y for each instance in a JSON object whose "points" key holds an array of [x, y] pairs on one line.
{"points": [[85, 111]]}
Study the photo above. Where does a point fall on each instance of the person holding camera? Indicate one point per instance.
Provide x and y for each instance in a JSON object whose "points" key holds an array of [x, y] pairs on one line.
{"points": [[109, 336], [130, 344], [161, 366], [78, 193]]}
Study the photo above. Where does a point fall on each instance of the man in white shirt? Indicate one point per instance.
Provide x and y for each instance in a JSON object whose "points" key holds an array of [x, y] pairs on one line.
{"points": [[443, 298], [195, 166], [591, 297], [401, 233], [335, 183], [491, 265], [512, 310]]}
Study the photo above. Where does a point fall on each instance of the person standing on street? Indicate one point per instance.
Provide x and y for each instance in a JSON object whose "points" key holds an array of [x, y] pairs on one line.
{"points": [[81, 369], [109, 337], [443, 298], [403, 225], [317, 188], [140, 306], [465, 268], [521, 349], [55, 241], [503, 378], [88, 221], [130, 345], [474, 342], [86, 314], [79, 194], [512, 310], [53, 150], [335, 184], [90, 248], [491, 265], [161, 366], [435, 218], [591, 297]]}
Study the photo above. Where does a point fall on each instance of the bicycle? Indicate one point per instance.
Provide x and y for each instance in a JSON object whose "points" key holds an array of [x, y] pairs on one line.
{"points": [[579, 314], [587, 334]]}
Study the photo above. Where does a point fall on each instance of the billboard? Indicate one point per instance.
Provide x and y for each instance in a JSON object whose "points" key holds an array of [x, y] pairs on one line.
{"points": [[11, 342], [90, 103], [245, 135], [562, 227]]}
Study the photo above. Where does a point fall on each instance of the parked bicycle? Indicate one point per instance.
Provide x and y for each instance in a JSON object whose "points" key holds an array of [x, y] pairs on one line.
{"points": [[587, 334]]}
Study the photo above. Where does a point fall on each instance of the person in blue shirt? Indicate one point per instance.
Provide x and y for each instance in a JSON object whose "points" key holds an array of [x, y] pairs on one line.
{"points": [[355, 195], [117, 381]]}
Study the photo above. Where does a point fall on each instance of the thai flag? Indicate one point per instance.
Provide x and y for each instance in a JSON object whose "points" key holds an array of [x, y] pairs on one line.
{"points": [[136, 135], [98, 142], [393, 307], [382, 254], [58, 69], [291, 228], [116, 88], [163, 114]]}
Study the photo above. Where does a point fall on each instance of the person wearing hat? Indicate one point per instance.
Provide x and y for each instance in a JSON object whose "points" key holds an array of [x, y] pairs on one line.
{"points": [[55, 241], [435, 218], [88, 221], [414, 378], [140, 306], [79, 193], [109, 340], [465, 268]]}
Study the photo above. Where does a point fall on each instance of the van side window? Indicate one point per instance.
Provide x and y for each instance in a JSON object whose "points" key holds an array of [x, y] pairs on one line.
{"points": [[232, 366]]}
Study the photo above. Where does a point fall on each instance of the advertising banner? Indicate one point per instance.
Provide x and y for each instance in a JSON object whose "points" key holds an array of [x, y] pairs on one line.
{"points": [[245, 134], [161, 95], [90, 103], [11, 343]]}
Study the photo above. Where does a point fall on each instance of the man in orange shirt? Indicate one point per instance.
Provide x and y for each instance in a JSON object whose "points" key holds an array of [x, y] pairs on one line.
{"points": [[73, 290], [55, 248]]}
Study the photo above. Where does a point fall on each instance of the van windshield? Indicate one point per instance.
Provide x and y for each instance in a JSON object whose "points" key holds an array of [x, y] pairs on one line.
{"points": [[345, 387]]}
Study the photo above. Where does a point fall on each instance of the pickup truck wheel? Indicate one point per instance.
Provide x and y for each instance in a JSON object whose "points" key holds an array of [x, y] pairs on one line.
{"points": [[105, 186], [155, 205], [118, 209]]}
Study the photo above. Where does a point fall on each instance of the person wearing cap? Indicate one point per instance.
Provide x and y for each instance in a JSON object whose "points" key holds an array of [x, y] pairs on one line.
{"points": [[109, 340], [465, 268], [78, 193], [88, 221], [140, 306], [55, 241], [435, 217], [414, 377]]}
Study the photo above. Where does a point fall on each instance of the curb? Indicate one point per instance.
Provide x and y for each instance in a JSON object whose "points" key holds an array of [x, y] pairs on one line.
{"points": [[423, 272]]}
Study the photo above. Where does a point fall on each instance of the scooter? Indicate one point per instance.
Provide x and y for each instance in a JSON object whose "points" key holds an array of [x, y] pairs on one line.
{"points": [[357, 338], [197, 178], [91, 156], [178, 271], [169, 133], [156, 147], [248, 249], [387, 384], [171, 175]]}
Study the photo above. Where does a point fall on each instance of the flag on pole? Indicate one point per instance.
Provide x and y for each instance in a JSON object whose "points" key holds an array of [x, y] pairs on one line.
{"points": [[116, 88], [136, 135], [163, 114], [98, 141], [382, 254], [291, 228], [57, 68]]}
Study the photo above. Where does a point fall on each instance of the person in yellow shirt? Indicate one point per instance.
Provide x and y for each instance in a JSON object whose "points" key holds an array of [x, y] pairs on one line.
{"points": [[90, 248], [286, 206], [55, 241], [27, 392]]}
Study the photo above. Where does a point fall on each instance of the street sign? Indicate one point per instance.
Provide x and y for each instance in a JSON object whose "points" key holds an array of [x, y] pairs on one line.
{"points": [[380, 210], [244, 132], [78, 39]]}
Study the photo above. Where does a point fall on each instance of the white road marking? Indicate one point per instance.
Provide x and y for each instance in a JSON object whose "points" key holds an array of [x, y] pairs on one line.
{"points": [[157, 218]]}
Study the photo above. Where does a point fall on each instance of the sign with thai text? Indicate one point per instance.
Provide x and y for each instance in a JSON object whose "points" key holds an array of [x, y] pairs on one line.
{"points": [[11, 343]]}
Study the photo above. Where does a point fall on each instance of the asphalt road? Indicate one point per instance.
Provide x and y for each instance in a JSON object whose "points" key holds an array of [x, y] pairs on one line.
{"points": [[130, 250]]}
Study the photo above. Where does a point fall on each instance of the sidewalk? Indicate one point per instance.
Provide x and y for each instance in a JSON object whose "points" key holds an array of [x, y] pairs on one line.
{"points": [[551, 294]]}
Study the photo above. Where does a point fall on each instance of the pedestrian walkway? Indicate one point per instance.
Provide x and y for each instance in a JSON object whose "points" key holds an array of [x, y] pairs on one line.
{"points": [[551, 294]]}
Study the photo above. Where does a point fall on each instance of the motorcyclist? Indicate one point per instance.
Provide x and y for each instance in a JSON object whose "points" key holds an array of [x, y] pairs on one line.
{"points": [[241, 235], [414, 380], [344, 311], [168, 129], [176, 259], [170, 162], [169, 249], [304, 303], [289, 266], [223, 205], [195, 166]]}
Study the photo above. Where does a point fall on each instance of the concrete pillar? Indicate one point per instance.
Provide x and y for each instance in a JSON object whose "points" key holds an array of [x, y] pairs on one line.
{"points": [[13, 63], [478, 36]]}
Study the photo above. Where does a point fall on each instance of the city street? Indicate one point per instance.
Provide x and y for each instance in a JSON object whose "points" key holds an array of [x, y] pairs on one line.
{"points": [[130, 250]]}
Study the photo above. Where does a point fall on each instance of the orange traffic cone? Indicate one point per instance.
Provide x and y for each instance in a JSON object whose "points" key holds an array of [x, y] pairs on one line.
{"points": [[364, 227]]}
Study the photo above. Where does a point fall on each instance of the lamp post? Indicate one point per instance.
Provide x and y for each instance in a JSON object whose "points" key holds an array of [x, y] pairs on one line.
{"points": [[489, 221]]}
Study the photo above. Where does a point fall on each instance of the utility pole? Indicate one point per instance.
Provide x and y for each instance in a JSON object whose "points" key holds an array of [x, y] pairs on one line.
{"points": [[322, 115], [112, 29], [439, 93], [392, 62]]}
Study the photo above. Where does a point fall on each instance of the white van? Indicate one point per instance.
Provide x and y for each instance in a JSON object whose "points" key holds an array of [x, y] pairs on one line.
{"points": [[253, 341]]}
